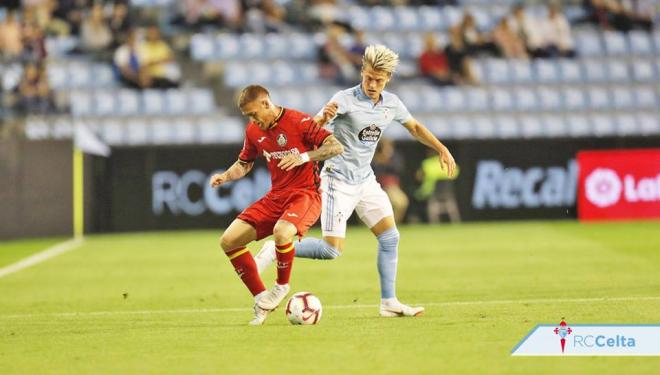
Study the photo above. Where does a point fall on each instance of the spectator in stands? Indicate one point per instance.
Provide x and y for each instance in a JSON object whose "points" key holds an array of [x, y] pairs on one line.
{"points": [[158, 68], [558, 39], [335, 59], [266, 16], [34, 94], [127, 62], [11, 37], [95, 35], [357, 48], [72, 12], [218, 13], [460, 64], [388, 166], [529, 30], [325, 12], [34, 43], [433, 64], [119, 22], [509, 43], [475, 41], [641, 12]]}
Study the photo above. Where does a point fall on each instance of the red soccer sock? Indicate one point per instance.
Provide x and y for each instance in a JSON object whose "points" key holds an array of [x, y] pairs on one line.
{"points": [[246, 269], [284, 255]]}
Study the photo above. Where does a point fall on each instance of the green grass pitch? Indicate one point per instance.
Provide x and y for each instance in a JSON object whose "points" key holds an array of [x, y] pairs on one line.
{"points": [[170, 303]]}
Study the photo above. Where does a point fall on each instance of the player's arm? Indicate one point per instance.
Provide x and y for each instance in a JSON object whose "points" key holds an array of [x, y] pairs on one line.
{"points": [[328, 113], [424, 136], [329, 148], [239, 169]]}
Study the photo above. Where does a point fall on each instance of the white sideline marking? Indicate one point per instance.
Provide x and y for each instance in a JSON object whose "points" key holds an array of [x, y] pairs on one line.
{"points": [[41, 256], [352, 306]]}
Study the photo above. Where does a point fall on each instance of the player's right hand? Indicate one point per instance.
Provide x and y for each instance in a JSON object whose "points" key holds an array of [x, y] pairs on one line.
{"points": [[218, 179], [330, 111]]}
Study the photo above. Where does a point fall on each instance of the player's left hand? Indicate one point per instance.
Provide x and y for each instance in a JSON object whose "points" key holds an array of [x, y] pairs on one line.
{"points": [[446, 159], [290, 161]]}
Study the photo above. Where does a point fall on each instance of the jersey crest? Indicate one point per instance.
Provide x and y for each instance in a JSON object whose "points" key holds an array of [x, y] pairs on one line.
{"points": [[281, 140]]}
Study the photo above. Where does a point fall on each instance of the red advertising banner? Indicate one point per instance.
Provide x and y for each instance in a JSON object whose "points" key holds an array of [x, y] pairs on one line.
{"points": [[619, 184]]}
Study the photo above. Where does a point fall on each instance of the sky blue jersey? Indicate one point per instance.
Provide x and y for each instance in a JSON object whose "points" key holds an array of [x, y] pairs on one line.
{"points": [[358, 126]]}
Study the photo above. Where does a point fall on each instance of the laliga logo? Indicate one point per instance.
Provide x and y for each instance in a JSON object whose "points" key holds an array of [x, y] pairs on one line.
{"points": [[603, 187], [563, 330]]}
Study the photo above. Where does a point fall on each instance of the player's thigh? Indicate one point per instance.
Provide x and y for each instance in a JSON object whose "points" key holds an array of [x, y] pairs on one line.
{"points": [[374, 204], [262, 215], [239, 233], [302, 210], [338, 203]]}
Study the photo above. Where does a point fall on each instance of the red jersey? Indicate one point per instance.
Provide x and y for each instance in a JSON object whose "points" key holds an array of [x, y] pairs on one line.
{"points": [[293, 133]]}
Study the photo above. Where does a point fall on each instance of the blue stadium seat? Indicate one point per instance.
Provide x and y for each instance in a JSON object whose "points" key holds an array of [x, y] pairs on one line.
{"points": [[599, 98], [643, 70], [521, 71], [462, 127], [202, 47], [58, 76], [162, 131], [236, 74], [441, 126], [301, 46], [153, 102], [128, 102], [588, 43], [603, 125], [276, 46], [477, 99], [578, 125], [626, 124], [103, 75], [185, 131], [502, 99], [617, 71], [284, 73], [137, 131], [595, 70], [176, 102], [526, 99], [430, 18], [252, 46], [497, 71], [452, 15], [80, 74], [112, 131], [615, 43], [547, 71], [382, 18], [407, 18], [105, 102], [570, 71], [640, 43], [359, 17], [507, 126], [411, 96], [649, 123], [531, 126], [574, 98], [645, 98], [484, 127], [227, 47], [554, 125], [622, 97], [200, 101], [549, 98], [454, 99], [656, 40]]}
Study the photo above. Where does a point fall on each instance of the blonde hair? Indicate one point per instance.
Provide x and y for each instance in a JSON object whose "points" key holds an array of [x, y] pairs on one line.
{"points": [[379, 57]]}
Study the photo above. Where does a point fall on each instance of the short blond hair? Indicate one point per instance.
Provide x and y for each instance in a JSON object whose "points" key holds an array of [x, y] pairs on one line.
{"points": [[379, 57], [250, 94]]}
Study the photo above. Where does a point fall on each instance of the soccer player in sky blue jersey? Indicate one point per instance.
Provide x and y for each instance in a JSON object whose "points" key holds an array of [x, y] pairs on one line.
{"points": [[357, 117]]}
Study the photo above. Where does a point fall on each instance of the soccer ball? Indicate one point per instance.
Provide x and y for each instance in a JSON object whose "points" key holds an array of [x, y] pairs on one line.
{"points": [[304, 308]]}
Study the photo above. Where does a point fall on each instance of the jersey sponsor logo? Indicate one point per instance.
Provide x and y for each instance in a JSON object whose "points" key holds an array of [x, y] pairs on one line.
{"points": [[370, 134], [280, 154], [281, 140]]}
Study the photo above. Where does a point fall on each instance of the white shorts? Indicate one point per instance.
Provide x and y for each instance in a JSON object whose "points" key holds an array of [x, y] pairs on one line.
{"points": [[340, 199]]}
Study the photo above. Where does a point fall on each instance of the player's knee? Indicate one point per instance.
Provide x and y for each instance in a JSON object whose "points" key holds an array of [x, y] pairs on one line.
{"points": [[389, 238], [227, 242], [284, 232]]}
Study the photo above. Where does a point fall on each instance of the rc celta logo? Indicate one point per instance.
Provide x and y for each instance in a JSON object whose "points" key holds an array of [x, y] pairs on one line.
{"points": [[563, 330], [590, 340]]}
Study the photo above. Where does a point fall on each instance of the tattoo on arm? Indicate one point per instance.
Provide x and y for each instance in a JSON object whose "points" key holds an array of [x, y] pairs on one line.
{"points": [[329, 148], [239, 169]]}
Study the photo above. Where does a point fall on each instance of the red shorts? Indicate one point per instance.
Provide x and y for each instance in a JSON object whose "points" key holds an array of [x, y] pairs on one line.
{"points": [[301, 208]]}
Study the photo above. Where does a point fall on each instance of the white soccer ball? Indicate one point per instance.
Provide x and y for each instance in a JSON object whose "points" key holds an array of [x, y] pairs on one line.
{"points": [[304, 308]]}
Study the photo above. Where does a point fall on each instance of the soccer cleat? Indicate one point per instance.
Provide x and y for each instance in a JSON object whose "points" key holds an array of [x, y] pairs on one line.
{"points": [[272, 299], [266, 256], [397, 309], [260, 316]]}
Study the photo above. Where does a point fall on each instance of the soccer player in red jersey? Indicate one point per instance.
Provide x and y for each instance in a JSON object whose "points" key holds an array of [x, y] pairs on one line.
{"points": [[292, 143]]}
